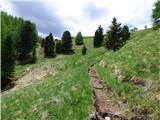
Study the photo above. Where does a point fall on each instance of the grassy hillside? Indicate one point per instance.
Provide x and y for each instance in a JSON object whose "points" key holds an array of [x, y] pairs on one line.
{"points": [[133, 73], [67, 94]]}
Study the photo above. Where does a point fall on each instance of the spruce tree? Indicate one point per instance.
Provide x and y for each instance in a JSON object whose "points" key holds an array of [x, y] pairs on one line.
{"points": [[28, 40], [79, 39], [125, 34], [49, 46], [16, 35], [67, 42], [114, 36], [98, 37], [7, 60]]}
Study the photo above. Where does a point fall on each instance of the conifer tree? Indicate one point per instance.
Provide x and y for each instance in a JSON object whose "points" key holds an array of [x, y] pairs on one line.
{"points": [[16, 35], [125, 34], [98, 37], [67, 42], [79, 39], [49, 46], [114, 36], [28, 40], [7, 60]]}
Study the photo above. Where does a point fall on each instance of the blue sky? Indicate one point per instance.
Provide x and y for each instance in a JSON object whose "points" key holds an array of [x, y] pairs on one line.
{"points": [[56, 16]]}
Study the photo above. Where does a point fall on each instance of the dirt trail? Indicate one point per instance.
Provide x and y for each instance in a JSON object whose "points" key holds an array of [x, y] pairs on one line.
{"points": [[28, 78], [106, 109]]}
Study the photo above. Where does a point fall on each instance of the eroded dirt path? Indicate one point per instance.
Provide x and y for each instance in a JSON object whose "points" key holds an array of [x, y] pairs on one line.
{"points": [[31, 76], [106, 109]]}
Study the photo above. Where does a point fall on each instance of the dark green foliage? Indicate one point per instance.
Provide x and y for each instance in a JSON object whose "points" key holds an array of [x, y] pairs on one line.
{"points": [[84, 50], [27, 42], [98, 37], [79, 39], [7, 60], [114, 36], [156, 15], [42, 43], [59, 46], [117, 36], [12, 34], [125, 34], [67, 42], [49, 46], [11, 25]]}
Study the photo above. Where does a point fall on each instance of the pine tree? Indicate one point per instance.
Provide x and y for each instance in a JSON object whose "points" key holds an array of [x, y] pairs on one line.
{"points": [[79, 39], [114, 36], [98, 38], [8, 60], [84, 50], [67, 42], [125, 34], [49, 46], [27, 41]]}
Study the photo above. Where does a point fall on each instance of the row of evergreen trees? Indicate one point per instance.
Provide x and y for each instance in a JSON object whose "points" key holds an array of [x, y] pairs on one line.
{"points": [[18, 43], [116, 36], [51, 46]]}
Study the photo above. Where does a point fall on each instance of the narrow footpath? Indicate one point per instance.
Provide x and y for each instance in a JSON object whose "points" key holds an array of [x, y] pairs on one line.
{"points": [[106, 109]]}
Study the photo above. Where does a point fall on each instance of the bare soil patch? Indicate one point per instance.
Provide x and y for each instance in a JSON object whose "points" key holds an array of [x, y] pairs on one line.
{"points": [[106, 109], [28, 78]]}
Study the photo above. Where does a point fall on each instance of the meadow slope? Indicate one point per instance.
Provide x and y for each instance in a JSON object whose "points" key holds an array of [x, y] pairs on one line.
{"points": [[67, 94], [133, 74]]}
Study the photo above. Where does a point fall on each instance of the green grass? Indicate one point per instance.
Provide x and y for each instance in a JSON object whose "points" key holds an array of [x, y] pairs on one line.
{"points": [[67, 95], [134, 95], [138, 58]]}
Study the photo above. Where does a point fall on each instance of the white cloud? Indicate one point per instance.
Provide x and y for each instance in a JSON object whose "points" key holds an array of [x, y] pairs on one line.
{"points": [[7, 6], [73, 13]]}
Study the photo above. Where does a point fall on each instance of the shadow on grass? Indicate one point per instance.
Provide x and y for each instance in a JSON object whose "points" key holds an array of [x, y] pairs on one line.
{"points": [[53, 56], [69, 52], [26, 61], [8, 86]]}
